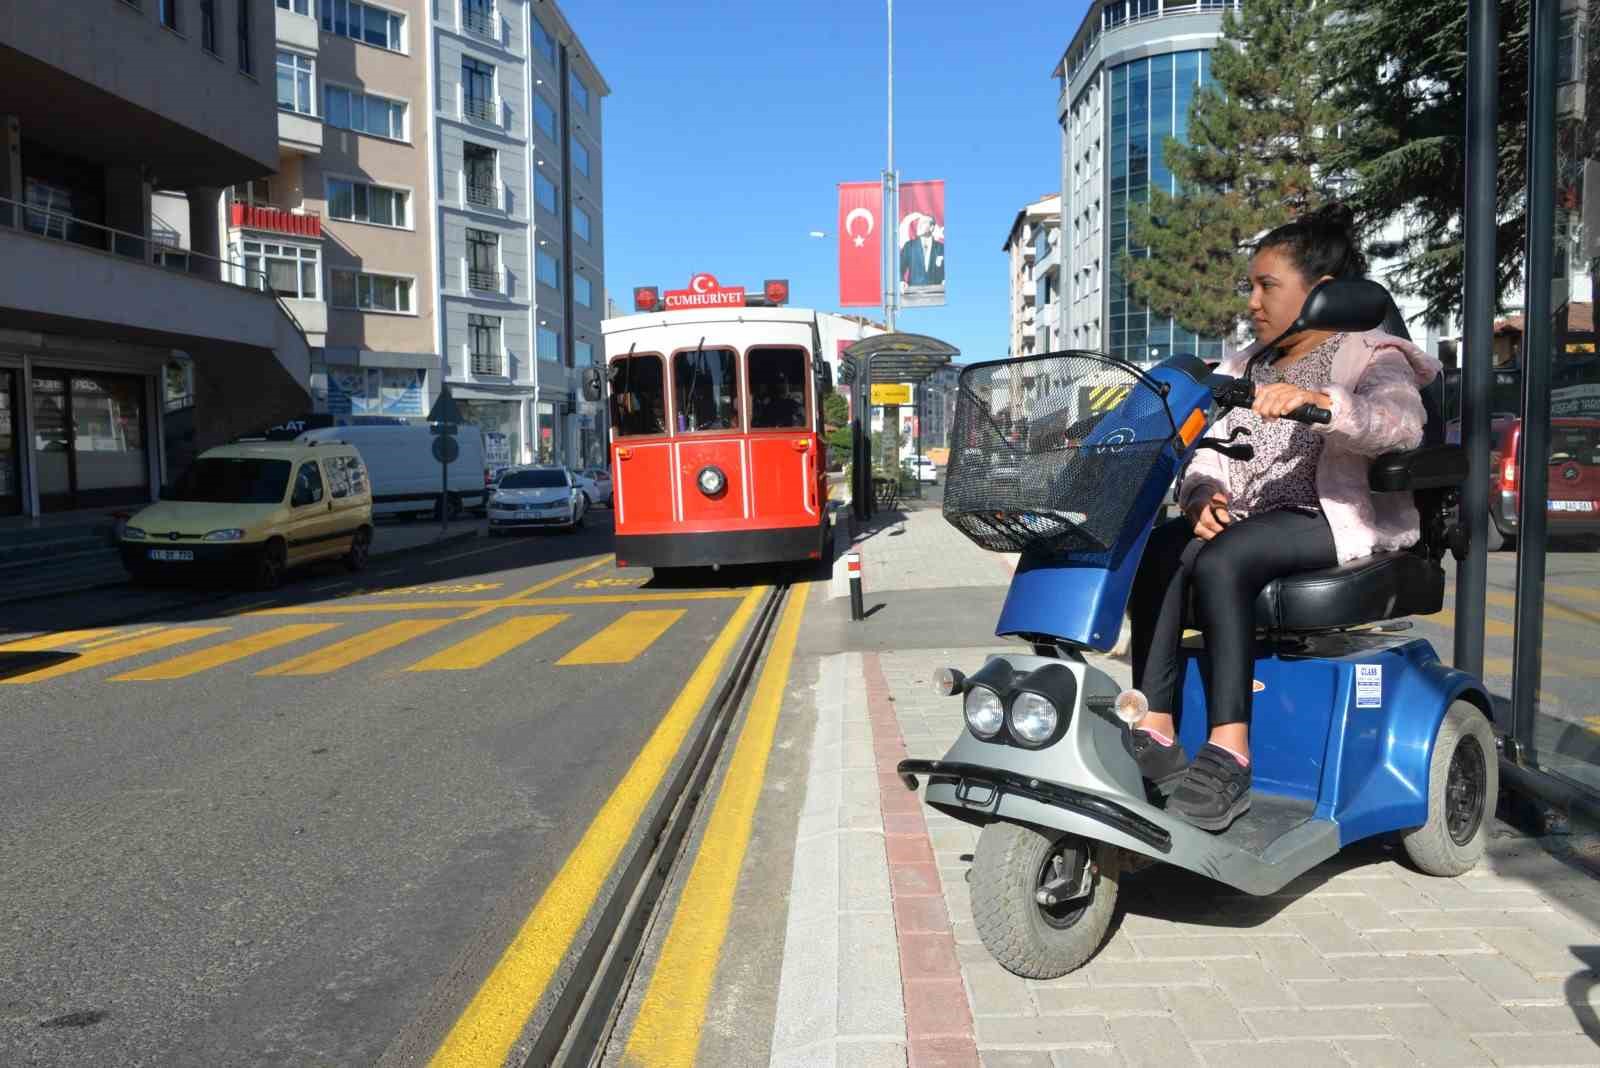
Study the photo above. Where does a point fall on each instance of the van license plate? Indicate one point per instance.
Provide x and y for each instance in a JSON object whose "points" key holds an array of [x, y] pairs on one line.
{"points": [[1572, 506], [172, 554]]}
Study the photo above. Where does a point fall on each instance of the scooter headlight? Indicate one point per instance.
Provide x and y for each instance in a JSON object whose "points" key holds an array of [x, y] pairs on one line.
{"points": [[1033, 718], [985, 712]]}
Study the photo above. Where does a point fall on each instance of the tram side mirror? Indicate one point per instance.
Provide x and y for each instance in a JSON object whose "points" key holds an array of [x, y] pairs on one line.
{"points": [[592, 384], [825, 376]]}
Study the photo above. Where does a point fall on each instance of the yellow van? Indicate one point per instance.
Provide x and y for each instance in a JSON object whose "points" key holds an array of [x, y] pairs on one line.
{"points": [[253, 510]]}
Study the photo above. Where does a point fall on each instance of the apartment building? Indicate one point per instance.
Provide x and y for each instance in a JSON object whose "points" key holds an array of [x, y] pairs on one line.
{"points": [[1033, 257], [102, 104]]}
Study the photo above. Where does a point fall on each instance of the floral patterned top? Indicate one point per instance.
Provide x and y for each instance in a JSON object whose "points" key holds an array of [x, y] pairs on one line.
{"points": [[1283, 472]]}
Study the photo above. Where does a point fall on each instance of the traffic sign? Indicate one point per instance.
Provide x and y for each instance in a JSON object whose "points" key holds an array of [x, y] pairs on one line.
{"points": [[446, 449], [891, 393], [445, 409], [444, 428]]}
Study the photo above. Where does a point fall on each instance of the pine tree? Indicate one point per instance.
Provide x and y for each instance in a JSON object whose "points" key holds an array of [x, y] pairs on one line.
{"points": [[1397, 69], [1258, 137]]}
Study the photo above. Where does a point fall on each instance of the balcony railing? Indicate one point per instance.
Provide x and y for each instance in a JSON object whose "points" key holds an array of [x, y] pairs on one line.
{"points": [[59, 226], [481, 108], [275, 220], [481, 23], [488, 363], [482, 195], [483, 281]]}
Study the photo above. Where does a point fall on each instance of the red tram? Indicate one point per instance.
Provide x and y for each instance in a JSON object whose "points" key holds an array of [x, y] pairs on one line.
{"points": [[717, 455]]}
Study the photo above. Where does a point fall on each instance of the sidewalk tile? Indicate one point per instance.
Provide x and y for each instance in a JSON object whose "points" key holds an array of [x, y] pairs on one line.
{"points": [[996, 992], [1145, 973], [814, 891], [870, 1055], [869, 976], [1274, 1055], [1465, 1002], [1377, 1053], [1041, 1032], [1549, 1020], [1502, 978], [908, 849], [1249, 985], [1198, 947], [1545, 1051], [943, 1053], [1431, 919], [1152, 1042], [921, 915], [1542, 959], [1361, 913], [1317, 1023], [808, 992], [1105, 1001], [1014, 1058], [1330, 935], [1411, 967], [1432, 1036], [1206, 1015], [1451, 941], [927, 956], [863, 871], [1088, 1057], [1341, 993], [1289, 957]]}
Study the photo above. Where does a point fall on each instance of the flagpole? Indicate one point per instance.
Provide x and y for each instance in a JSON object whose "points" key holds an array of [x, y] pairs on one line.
{"points": [[891, 202]]}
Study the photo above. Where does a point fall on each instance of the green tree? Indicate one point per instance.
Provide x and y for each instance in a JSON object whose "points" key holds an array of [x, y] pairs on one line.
{"points": [[1397, 70], [1257, 139], [836, 423]]}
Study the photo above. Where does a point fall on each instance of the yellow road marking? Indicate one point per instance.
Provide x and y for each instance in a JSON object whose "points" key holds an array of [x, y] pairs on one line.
{"points": [[465, 587], [485, 646], [607, 583], [141, 632], [1447, 619], [181, 667], [581, 569], [519, 601], [1593, 723], [1551, 611], [491, 1022], [45, 643], [109, 654], [343, 654], [255, 607], [667, 1031], [625, 639]]}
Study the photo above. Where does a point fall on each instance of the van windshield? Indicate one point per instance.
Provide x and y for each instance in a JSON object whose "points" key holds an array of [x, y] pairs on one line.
{"points": [[232, 480], [533, 480]]}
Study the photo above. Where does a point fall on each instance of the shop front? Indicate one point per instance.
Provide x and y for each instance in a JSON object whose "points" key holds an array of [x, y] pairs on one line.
{"points": [[500, 420], [10, 449]]}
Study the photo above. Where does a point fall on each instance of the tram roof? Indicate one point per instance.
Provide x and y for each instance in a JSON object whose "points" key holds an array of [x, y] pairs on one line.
{"points": [[897, 357]]}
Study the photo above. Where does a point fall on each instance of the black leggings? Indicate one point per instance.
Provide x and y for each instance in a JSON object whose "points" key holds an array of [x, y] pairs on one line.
{"points": [[1228, 573]]}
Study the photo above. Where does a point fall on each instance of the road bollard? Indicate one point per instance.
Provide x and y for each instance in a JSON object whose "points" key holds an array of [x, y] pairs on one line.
{"points": [[852, 562]]}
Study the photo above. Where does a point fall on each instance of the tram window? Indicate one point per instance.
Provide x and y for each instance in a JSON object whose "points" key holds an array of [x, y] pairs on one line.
{"points": [[777, 388], [706, 387], [638, 396]]}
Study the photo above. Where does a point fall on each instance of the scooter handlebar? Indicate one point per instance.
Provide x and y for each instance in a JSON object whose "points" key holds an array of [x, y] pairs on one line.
{"points": [[1241, 393]]}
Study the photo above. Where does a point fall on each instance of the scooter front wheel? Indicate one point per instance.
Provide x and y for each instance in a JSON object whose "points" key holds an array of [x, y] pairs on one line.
{"points": [[1027, 903]]}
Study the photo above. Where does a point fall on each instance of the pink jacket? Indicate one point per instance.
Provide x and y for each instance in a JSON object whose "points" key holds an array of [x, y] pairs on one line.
{"points": [[1377, 408]]}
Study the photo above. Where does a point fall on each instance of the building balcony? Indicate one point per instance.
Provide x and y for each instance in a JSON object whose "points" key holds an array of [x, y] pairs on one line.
{"points": [[487, 282], [487, 365], [484, 24], [274, 220], [1049, 262], [296, 29], [483, 195], [299, 133], [480, 109]]}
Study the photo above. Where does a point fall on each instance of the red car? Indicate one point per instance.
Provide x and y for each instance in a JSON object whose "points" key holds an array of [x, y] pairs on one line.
{"points": [[1574, 497]]}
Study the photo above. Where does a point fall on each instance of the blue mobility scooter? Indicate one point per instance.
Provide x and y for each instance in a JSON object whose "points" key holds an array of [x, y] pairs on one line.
{"points": [[1357, 730]]}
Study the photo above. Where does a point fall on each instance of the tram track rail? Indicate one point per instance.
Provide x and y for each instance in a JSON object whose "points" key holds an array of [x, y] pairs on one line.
{"points": [[581, 1023]]}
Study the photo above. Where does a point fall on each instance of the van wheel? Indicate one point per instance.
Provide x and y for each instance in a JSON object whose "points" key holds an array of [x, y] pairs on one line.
{"points": [[270, 565], [1463, 786], [1011, 867], [360, 550], [454, 504]]}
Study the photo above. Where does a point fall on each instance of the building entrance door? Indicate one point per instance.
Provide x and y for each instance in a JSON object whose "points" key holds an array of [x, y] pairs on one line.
{"points": [[89, 440]]}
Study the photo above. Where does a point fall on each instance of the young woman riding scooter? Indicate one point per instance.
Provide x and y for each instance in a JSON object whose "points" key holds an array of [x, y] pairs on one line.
{"points": [[1301, 503]]}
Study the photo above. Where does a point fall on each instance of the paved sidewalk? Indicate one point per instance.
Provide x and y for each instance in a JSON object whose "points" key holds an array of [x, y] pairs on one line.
{"points": [[1360, 962]]}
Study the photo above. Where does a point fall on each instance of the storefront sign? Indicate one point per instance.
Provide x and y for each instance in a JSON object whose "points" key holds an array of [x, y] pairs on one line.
{"points": [[1575, 401], [704, 292], [496, 448]]}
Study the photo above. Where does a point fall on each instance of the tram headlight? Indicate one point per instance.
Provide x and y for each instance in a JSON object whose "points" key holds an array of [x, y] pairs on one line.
{"points": [[711, 481], [985, 712]]}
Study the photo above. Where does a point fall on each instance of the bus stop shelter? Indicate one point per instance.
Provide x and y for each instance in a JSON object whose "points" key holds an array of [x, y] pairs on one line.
{"points": [[887, 358]]}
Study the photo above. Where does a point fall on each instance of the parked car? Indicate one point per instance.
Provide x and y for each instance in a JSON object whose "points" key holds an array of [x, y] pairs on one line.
{"points": [[1574, 476], [597, 484], [250, 511], [536, 497], [406, 476], [926, 470]]}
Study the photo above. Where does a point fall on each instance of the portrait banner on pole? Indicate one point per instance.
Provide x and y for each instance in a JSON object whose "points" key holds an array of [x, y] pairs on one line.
{"points": [[920, 239]]}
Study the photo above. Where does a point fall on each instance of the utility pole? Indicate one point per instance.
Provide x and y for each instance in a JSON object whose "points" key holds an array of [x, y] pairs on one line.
{"points": [[891, 204]]}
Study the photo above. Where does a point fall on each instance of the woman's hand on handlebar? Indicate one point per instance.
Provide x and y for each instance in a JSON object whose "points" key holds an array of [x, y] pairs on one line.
{"points": [[1210, 518], [1280, 399]]}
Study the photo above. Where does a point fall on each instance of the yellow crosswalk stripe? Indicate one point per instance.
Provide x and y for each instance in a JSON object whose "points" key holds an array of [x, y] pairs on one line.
{"points": [[625, 639], [181, 667], [1551, 611], [1447, 619], [489, 644], [109, 654], [343, 654], [141, 632], [45, 643]]}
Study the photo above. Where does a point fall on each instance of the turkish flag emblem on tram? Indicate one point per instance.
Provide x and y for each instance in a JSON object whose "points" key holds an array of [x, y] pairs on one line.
{"points": [[860, 244]]}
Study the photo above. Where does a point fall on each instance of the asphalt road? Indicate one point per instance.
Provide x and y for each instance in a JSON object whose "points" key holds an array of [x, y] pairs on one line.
{"points": [[300, 828]]}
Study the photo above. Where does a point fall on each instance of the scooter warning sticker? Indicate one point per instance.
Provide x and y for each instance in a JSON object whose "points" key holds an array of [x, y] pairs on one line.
{"points": [[1369, 685]]}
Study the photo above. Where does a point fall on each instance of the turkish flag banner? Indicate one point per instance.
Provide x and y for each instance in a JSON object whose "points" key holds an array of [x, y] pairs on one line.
{"points": [[860, 244], [920, 244]]}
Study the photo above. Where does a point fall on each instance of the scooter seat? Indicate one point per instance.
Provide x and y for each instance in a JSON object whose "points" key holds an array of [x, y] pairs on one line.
{"points": [[1381, 587]]}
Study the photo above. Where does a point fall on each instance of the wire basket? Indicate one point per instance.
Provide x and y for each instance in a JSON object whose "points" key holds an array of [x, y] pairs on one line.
{"points": [[1049, 453]]}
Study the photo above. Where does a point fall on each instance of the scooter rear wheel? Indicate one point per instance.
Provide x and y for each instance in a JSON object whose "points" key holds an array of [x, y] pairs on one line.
{"points": [[1463, 784], [1011, 865]]}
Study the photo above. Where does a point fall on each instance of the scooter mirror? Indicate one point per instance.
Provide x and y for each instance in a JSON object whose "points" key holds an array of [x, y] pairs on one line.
{"points": [[1348, 305]]}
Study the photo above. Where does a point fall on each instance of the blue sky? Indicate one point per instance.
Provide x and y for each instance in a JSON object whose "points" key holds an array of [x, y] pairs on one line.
{"points": [[729, 125]]}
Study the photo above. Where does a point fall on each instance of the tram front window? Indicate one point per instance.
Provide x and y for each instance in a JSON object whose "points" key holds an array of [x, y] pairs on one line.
{"points": [[777, 388], [638, 396], [706, 387]]}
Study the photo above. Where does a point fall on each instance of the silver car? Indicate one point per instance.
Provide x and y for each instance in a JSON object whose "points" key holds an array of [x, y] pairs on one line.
{"points": [[536, 497]]}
